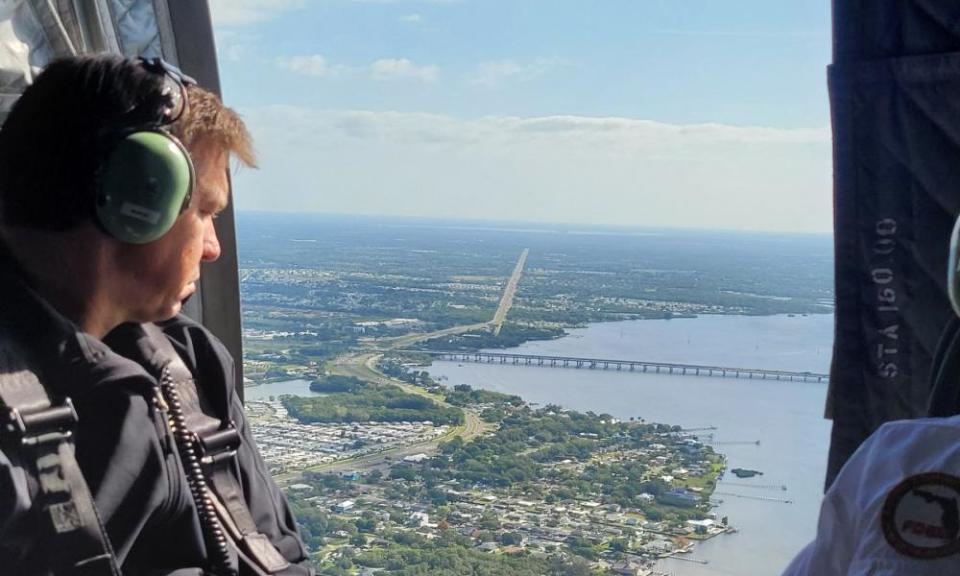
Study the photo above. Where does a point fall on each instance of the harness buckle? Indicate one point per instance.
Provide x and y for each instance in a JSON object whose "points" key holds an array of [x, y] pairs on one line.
{"points": [[52, 423], [219, 445]]}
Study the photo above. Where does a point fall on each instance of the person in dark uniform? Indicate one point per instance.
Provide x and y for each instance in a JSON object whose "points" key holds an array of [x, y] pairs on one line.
{"points": [[90, 258]]}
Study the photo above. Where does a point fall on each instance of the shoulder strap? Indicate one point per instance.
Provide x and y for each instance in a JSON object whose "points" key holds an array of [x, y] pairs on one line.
{"points": [[215, 444], [39, 432]]}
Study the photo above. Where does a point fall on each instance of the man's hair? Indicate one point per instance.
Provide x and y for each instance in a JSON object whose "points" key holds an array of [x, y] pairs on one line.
{"points": [[207, 121], [63, 127]]}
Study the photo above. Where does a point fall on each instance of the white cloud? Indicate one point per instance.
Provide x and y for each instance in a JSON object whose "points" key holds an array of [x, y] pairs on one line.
{"points": [[244, 12], [493, 73], [318, 66], [312, 65], [411, 18], [403, 68], [620, 133], [610, 170]]}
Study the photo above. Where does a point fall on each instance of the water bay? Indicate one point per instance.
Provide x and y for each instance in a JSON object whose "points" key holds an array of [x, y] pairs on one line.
{"points": [[785, 417]]}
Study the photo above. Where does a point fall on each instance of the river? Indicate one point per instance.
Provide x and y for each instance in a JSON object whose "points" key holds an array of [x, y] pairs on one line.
{"points": [[786, 417]]}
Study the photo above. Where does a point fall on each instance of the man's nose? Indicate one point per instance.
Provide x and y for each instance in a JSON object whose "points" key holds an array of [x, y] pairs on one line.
{"points": [[211, 244]]}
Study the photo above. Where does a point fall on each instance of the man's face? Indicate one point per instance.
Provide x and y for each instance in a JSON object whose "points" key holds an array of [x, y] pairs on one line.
{"points": [[160, 275]]}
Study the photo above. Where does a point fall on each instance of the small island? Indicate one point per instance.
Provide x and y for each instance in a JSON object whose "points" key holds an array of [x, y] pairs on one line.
{"points": [[745, 473]]}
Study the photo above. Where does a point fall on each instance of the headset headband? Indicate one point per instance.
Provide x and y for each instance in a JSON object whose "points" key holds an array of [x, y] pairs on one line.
{"points": [[174, 89]]}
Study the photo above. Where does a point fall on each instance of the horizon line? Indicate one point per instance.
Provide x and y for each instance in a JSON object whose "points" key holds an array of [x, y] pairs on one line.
{"points": [[517, 223]]}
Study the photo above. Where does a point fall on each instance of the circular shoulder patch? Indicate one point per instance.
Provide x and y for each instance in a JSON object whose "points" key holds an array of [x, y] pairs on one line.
{"points": [[921, 516]]}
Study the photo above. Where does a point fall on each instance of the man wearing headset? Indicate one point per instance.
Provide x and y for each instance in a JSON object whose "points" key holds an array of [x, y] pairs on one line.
{"points": [[894, 508], [104, 222]]}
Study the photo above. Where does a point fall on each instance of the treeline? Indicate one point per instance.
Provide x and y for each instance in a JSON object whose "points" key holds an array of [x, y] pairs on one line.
{"points": [[331, 384], [511, 335], [466, 395], [352, 400], [395, 368]]}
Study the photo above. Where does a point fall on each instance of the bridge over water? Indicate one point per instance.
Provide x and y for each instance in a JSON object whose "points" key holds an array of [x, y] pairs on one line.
{"points": [[622, 365]]}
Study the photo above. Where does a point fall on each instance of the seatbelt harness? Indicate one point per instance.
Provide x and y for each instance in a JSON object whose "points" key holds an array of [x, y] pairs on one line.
{"points": [[38, 431], [215, 443]]}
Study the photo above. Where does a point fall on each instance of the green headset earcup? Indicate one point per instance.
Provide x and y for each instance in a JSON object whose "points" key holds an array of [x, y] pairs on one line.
{"points": [[144, 184]]}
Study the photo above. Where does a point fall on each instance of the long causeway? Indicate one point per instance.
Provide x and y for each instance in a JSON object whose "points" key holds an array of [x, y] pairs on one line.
{"points": [[539, 360]]}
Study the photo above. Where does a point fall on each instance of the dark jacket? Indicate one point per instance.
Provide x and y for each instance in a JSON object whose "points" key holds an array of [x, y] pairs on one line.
{"points": [[211, 363], [123, 445]]}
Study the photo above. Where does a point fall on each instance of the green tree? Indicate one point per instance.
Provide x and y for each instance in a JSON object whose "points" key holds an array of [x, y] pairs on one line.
{"points": [[489, 521], [620, 545]]}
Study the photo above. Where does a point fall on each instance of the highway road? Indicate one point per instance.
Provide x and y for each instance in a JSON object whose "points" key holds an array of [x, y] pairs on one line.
{"points": [[506, 301]]}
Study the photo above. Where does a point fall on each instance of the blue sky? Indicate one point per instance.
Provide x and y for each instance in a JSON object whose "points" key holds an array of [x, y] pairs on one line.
{"points": [[690, 113]]}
